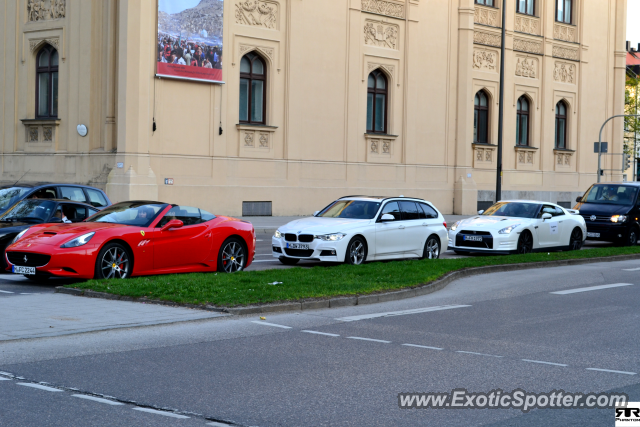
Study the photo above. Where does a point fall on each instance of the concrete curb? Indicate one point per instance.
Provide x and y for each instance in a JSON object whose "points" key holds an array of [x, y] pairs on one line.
{"points": [[342, 301]]}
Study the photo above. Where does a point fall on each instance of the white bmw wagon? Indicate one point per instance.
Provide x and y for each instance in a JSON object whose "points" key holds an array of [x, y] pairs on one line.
{"points": [[356, 229]]}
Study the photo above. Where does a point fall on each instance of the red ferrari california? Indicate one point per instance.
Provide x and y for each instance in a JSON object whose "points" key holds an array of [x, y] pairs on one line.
{"points": [[134, 239]]}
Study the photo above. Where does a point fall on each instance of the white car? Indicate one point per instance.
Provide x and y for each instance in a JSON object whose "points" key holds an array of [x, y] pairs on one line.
{"points": [[356, 229], [519, 226]]}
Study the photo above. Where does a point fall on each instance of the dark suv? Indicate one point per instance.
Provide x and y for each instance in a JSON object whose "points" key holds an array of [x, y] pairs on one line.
{"points": [[612, 212]]}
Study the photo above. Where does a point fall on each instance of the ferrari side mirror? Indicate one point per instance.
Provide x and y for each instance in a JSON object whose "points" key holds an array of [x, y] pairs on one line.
{"points": [[174, 223]]}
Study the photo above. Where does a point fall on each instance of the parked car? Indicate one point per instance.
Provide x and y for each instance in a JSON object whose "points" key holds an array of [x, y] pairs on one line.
{"points": [[611, 212], [12, 194], [356, 229], [135, 238], [519, 226]]}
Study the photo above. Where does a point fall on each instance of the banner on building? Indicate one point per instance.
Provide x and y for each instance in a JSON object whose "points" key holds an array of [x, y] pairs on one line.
{"points": [[190, 40]]}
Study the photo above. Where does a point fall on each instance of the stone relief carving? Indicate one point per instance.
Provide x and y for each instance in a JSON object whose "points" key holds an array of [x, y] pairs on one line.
{"points": [[383, 7], [264, 140], [563, 32], [566, 53], [484, 59], [521, 157], [389, 68], [42, 10], [527, 67], [488, 155], [489, 39], [374, 145], [563, 159], [257, 13], [33, 134], [528, 46], [381, 34], [248, 139], [529, 157], [386, 147], [47, 133], [266, 50], [565, 73], [528, 25], [485, 16], [34, 44]]}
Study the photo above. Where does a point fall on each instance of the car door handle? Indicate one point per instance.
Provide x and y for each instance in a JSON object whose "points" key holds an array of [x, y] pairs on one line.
{"points": [[536, 227], [425, 224], [401, 227]]}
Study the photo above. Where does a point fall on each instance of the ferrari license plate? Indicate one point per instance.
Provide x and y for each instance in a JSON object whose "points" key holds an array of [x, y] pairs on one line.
{"points": [[593, 234], [23, 270], [297, 246], [473, 238]]}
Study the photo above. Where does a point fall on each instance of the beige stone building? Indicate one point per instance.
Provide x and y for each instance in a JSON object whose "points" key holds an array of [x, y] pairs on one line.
{"points": [[358, 97]]}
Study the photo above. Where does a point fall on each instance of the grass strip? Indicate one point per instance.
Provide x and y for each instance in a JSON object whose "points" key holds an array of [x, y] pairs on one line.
{"points": [[255, 287]]}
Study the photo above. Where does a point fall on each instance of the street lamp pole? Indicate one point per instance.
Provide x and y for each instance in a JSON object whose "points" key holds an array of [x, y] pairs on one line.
{"points": [[500, 106], [600, 136]]}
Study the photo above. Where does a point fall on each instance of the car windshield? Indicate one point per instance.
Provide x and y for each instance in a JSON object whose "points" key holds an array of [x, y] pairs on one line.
{"points": [[31, 210], [9, 196], [513, 209], [129, 213], [611, 194], [356, 209]]}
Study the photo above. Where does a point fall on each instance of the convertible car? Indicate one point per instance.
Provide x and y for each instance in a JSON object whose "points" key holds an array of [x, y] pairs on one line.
{"points": [[134, 239]]}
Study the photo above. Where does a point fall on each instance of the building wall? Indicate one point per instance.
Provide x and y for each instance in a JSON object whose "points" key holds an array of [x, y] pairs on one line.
{"points": [[314, 148]]}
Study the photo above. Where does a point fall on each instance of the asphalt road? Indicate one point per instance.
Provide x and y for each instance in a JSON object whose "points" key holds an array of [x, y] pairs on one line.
{"points": [[317, 368]]}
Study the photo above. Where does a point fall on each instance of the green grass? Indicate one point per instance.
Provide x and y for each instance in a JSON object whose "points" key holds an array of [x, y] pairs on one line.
{"points": [[253, 287]]}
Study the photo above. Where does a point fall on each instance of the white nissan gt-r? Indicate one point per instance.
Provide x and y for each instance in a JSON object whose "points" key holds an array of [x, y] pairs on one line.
{"points": [[360, 228], [519, 226]]}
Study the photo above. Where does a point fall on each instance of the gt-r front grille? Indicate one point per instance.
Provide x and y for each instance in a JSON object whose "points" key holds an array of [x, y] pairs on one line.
{"points": [[477, 233], [290, 237], [24, 259], [305, 238], [486, 243], [302, 253]]}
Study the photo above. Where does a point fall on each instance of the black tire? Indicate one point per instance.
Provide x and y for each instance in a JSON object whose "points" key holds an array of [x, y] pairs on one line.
{"points": [[232, 256], [460, 252], [114, 262], [630, 237], [525, 243], [288, 261], [432, 248], [575, 241], [356, 251]]}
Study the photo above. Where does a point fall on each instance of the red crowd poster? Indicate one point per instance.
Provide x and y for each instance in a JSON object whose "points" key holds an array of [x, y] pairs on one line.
{"points": [[190, 40]]}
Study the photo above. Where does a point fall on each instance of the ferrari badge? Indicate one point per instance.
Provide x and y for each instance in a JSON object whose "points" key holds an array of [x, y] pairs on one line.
{"points": [[142, 232]]}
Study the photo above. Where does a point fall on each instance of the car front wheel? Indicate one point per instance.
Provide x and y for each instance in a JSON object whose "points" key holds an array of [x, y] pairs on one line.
{"points": [[232, 256], [431, 248], [525, 243], [631, 237], [114, 262], [356, 251]]}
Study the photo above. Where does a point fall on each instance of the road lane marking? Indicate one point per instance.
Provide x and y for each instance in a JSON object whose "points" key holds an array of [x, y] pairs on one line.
{"points": [[271, 324], [6, 292], [591, 288], [97, 399], [218, 424], [631, 269], [5, 379], [544, 363], [369, 339], [264, 255], [321, 333], [166, 414], [259, 240], [38, 386], [27, 293], [265, 260], [423, 346], [613, 372], [477, 354], [400, 313]]}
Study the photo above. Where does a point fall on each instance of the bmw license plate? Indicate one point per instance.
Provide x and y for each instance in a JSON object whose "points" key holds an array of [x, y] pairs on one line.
{"points": [[23, 270], [593, 234], [297, 246], [473, 238]]}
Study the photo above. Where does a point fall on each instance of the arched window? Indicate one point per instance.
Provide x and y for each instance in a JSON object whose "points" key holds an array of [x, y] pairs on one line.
{"points": [[377, 102], [47, 83], [481, 118], [526, 6], [522, 124], [561, 125], [563, 11], [253, 78]]}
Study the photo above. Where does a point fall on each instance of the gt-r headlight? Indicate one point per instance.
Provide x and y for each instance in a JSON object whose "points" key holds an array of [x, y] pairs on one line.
{"points": [[509, 229], [330, 237], [454, 227], [79, 241], [277, 234], [15, 239], [618, 218]]}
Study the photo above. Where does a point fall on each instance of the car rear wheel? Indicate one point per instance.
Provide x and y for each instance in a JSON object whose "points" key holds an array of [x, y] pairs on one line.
{"points": [[288, 261], [575, 242], [431, 248], [356, 251], [232, 256], [114, 262], [525, 243]]}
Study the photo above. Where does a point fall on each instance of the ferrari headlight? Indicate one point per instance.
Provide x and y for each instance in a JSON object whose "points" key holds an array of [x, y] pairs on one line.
{"points": [[509, 229], [618, 218], [19, 235], [277, 234], [79, 241], [454, 227], [330, 237]]}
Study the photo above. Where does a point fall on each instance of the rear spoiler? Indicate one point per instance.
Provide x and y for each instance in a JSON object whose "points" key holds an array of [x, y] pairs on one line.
{"points": [[573, 211]]}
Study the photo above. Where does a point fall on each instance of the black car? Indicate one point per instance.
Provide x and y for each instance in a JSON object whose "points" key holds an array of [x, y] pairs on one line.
{"points": [[612, 212], [39, 211], [12, 194]]}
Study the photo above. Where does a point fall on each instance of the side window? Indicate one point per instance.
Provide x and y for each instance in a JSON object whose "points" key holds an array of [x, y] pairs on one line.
{"points": [[429, 211], [409, 210], [550, 210], [44, 193], [96, 198], [559, 212], [392, 209], [74, 213], [206, 216], [186, 214], [73, 193]]}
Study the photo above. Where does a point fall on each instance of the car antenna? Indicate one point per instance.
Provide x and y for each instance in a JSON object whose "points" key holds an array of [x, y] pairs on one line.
{"points": [[22, 176]]}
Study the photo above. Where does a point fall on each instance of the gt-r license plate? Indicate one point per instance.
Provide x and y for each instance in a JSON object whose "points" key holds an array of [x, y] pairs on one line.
{"points": [[23, 270], [593, 234], [297, 246], [473, 238]]}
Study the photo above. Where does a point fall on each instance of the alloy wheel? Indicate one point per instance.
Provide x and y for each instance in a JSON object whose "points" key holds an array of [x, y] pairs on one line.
{"points": [[633, 238], [356, 252], [576, 240], [525, 243], [115, 263], [432, 249], [233, 257]]}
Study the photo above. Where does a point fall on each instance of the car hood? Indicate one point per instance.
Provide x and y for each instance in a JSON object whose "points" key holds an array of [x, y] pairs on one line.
{"points": [[58, 234], [317, 225], [13, 227], [601, 209], [490, 223]]}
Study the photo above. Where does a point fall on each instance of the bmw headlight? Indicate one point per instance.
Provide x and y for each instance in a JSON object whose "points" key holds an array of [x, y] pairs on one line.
{"points": [[79, 241], [618, 218], [19, 235], [454, 227], [509, 229], [330, 237], [277, 234]]}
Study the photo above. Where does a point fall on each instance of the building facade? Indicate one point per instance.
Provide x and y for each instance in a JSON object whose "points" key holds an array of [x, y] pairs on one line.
{"points": [[380, 97]]}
